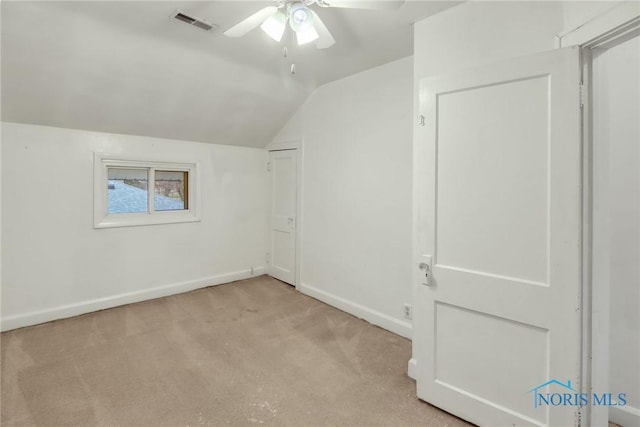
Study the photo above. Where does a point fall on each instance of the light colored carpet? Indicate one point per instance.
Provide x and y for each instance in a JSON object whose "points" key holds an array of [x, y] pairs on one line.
{"points": [[254, 352]]}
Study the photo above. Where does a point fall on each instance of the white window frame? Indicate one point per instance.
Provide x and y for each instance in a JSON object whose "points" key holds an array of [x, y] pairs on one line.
{"points": [[103, 219]]}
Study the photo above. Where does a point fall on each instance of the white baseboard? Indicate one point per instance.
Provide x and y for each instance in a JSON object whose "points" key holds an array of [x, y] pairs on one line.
{"points": [[385, 321], [70, 310], [412, 369], [626, 416]]}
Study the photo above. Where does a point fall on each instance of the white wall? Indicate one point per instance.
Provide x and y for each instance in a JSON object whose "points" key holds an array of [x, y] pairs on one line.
{"points": [[617, 226], [356, 207], [478, 32], [55, 264]]}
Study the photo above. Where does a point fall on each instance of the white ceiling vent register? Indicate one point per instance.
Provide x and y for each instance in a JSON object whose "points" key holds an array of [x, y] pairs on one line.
{"points": [[196, 22]]}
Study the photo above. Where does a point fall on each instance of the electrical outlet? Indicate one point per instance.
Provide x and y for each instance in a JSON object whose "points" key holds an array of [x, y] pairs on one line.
{"points": [[408, 311]]}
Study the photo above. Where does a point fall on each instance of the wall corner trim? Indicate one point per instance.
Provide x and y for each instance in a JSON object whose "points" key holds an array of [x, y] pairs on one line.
{"points": [[621, 18], [624, 415], [76, 309], [374, 317], [412, 369]]}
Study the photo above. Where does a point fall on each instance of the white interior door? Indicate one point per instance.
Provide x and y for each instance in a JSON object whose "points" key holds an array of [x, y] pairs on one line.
{"points": [[498, 178], [283, 188]]}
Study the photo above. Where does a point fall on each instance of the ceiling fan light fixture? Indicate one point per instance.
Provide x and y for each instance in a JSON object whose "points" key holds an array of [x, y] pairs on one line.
{"points": [[300, 17], [275, 25], [307, 35]]}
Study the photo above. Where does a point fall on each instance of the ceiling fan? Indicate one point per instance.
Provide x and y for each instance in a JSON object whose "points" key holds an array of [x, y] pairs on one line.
{"points": [[306, 23]]}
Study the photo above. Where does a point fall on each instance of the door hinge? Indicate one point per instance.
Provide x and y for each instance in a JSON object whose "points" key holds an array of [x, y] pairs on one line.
{"points": [[582, 95], [421, 120], [268, 166]]}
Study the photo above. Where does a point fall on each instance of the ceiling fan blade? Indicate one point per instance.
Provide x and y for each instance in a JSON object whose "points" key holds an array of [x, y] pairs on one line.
{"points": [[366, 4], [326, 39], [243, 27]]}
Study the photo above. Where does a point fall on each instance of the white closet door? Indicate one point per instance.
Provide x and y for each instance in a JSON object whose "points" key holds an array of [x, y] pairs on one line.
{"points": [[283, 203]]}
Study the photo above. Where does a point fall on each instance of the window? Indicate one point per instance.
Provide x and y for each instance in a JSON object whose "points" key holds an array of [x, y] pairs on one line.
{"points": [[136, 192], [169, 190]]}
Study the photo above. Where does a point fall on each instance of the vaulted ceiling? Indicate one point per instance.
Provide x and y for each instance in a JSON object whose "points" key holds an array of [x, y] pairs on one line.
{"points": [[129, 67]]}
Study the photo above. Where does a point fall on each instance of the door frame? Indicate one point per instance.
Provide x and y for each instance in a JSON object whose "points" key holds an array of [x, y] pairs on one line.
{"points": [[298, 146], [602, 31]]}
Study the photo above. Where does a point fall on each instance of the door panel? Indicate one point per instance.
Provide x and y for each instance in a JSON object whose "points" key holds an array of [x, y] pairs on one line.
{"points": [[499, 202], [283, 203], [509, 347], [484, 168]]}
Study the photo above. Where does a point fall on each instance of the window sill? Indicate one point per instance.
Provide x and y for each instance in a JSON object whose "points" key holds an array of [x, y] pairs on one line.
{"points": [[141, 219]]}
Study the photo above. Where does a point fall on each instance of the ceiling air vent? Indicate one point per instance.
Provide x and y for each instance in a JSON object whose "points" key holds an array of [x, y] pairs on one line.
{"points": [[196, 22]]}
